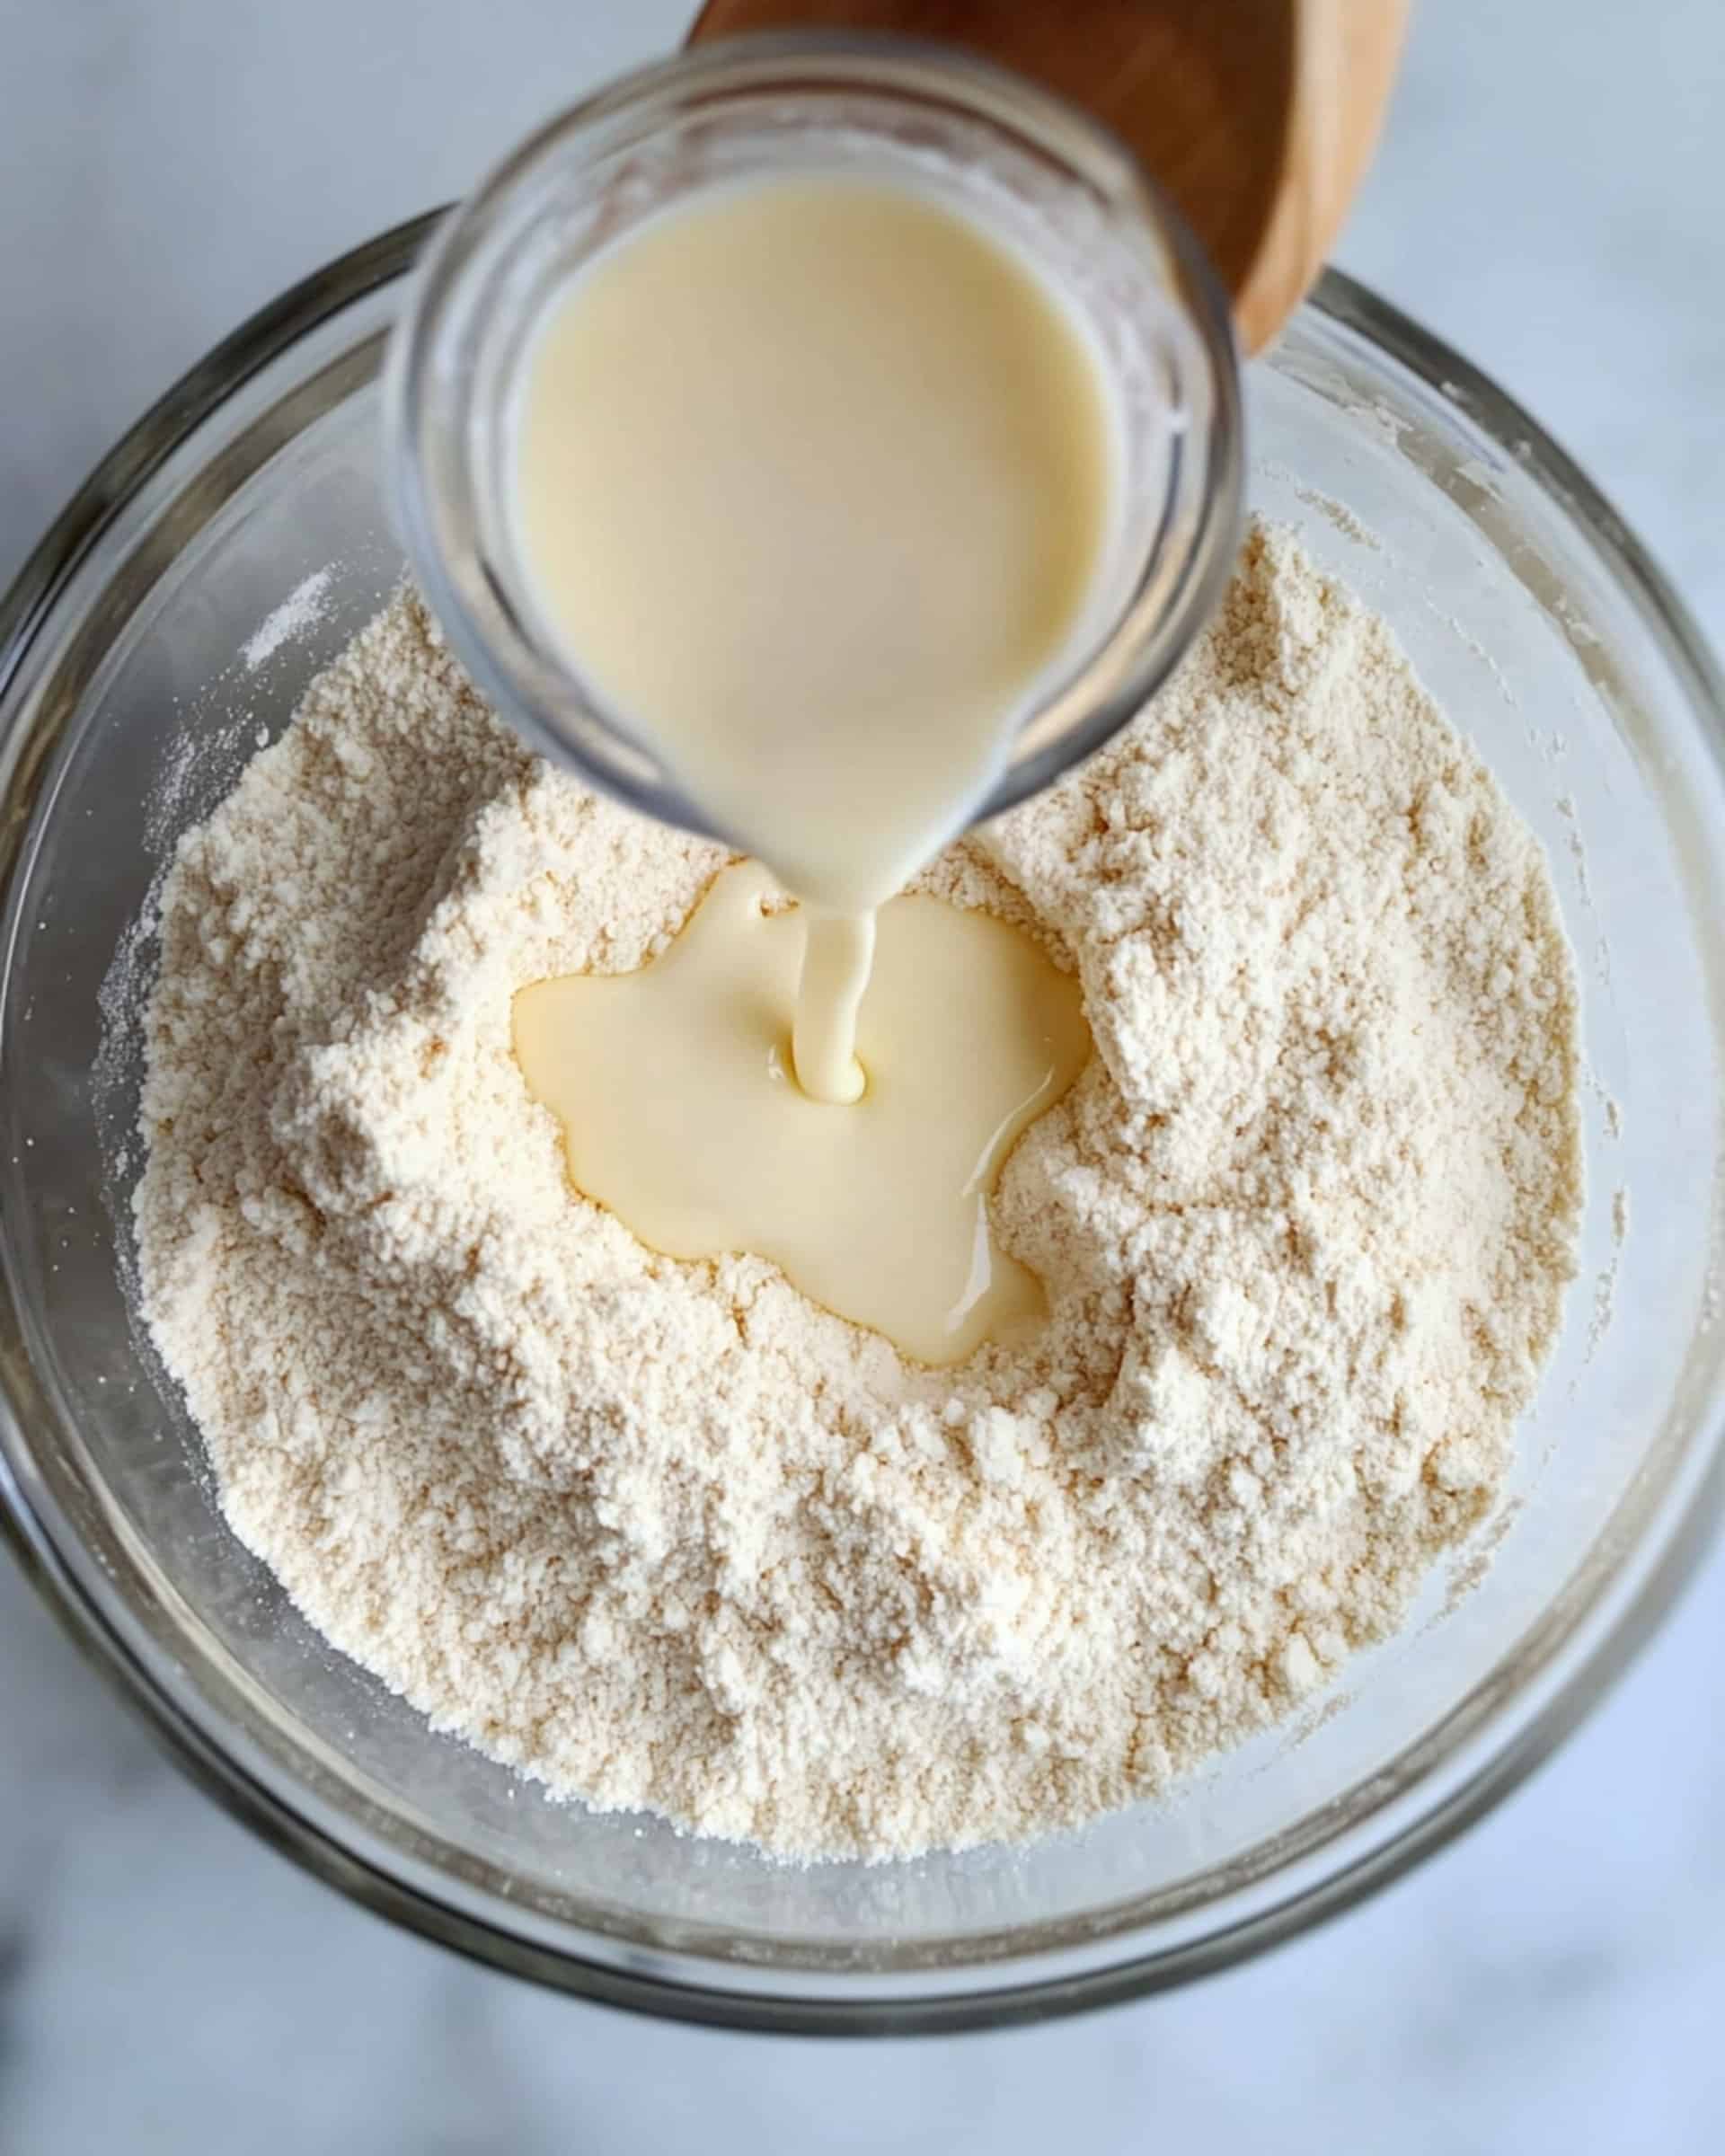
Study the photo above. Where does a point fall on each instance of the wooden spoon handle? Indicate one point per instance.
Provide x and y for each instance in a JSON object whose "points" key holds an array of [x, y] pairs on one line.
{"points": [[1345, 59], [1257, 116]]}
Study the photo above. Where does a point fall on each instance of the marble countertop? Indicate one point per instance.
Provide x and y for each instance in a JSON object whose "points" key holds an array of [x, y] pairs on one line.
{"points": [[1548, 200]]}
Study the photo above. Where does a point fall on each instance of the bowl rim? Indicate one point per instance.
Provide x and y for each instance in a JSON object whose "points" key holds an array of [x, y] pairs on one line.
{"points": [[1387, 1843]]}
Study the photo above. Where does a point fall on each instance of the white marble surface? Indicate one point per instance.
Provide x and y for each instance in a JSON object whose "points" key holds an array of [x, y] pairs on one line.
{"points": [[1549, 200]]}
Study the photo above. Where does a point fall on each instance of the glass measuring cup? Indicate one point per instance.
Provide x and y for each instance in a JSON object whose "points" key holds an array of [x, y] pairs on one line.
{"points": [[1027, 167]]}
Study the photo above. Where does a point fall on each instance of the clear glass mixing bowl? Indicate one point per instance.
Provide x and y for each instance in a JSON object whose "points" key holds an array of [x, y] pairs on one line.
{"points": [[125, 707]]}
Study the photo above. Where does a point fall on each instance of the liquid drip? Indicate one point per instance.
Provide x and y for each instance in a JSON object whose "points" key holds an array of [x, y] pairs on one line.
{"points": [[681, 1115], [838, 954]]}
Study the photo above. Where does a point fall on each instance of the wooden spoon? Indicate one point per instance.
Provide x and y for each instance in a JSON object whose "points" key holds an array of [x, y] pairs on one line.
{"points": [[1257, 116]]}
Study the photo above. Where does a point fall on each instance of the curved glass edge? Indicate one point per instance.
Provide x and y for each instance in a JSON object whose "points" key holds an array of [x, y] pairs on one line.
{"points": [[1679, 1533], [176, 415]]}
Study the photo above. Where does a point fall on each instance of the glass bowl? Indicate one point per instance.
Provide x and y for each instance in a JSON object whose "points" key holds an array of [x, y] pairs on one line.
{"points": [[139, 662], [1040, 174]]}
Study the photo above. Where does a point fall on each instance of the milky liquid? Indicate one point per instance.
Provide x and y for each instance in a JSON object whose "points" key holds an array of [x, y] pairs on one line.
{"points": [[680, 1114], [813, 483]]}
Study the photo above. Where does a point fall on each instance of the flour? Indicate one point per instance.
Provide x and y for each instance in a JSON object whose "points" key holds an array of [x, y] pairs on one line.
{"points": [[667, 1535], [302, 608]]}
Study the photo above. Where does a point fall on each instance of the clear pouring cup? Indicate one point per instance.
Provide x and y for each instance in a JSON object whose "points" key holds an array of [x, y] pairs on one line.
{"points": [[1030, 169]]}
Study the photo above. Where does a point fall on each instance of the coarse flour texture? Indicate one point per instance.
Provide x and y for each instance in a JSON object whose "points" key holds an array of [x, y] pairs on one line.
{"points": [[668, 1535]]}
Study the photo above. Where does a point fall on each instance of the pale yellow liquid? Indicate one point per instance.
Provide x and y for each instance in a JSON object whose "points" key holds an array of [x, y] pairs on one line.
{"points": [[814, 483], [680, 1114]]}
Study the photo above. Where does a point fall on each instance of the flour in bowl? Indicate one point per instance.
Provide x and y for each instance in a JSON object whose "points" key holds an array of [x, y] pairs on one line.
{"points": [[668, 1535]]}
